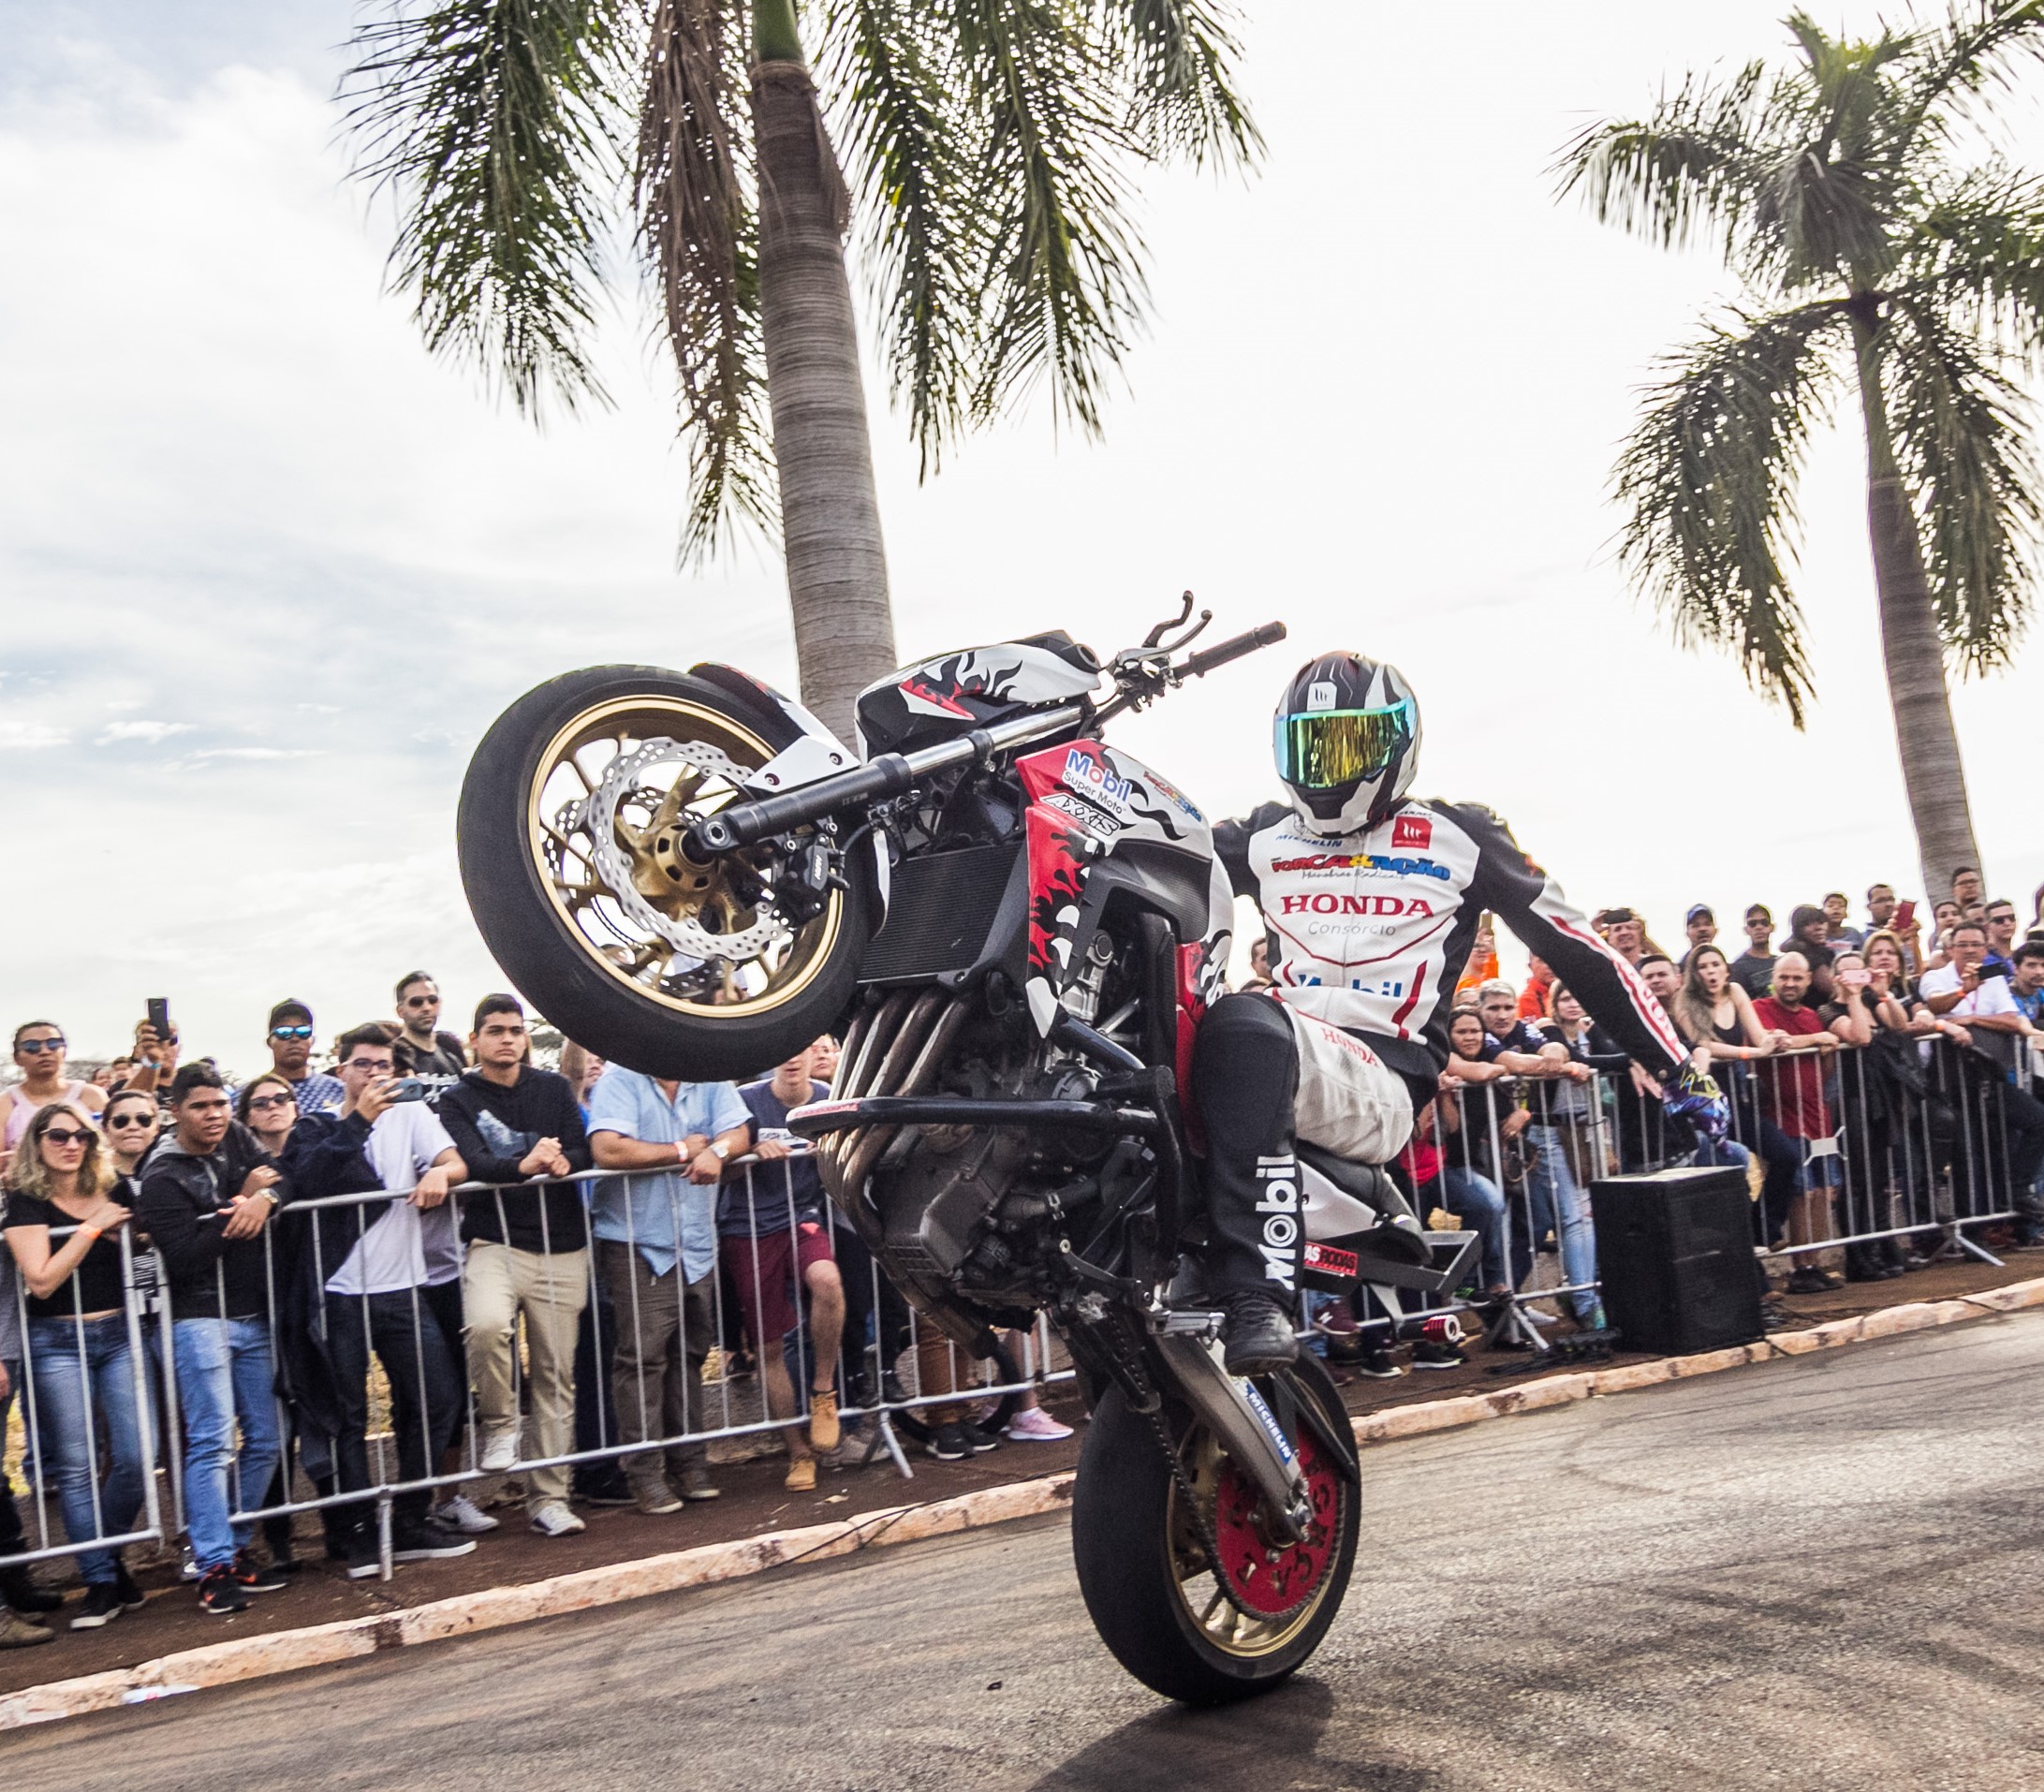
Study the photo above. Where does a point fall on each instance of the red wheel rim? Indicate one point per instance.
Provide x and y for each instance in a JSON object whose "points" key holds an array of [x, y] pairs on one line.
{"points": [[1268, 1582]]}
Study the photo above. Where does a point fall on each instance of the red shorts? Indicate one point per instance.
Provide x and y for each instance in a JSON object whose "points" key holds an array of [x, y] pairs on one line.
{"points": [[765, 1269]]}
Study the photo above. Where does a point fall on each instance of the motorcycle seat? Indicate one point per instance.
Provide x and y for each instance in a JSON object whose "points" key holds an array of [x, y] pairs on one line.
{"points": [[1367, 1182]]}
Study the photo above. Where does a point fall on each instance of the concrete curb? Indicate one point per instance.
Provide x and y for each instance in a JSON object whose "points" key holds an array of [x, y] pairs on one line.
{"points": [[242, 1658]]}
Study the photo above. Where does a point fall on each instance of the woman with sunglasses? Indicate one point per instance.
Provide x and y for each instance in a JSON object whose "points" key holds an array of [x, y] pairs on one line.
{"points": [[80, 1365], [38, 1048]]}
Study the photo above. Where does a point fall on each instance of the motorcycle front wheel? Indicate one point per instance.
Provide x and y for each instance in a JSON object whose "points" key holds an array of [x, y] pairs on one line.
{"points": [[1154, 1592], [573, 828]]}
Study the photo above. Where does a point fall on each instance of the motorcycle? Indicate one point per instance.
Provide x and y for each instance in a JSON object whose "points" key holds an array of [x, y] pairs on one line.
{"points": [[1015, 929]]}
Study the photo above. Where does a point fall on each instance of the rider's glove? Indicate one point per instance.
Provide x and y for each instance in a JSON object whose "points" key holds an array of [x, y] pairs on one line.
{"points": [[1693, 1095]]}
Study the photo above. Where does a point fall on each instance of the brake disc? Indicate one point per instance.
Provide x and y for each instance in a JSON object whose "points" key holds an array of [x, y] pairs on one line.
{"points": [[598, 820]]}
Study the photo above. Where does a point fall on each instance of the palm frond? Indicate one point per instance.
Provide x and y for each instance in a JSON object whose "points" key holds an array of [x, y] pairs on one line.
{"points": [[1178, 60], [698, 235], [1972, 54], [1062, 277], [490, 123], [1961, 447], [892, 80], [1708, 483], [1690, 168], [1978, 248]]}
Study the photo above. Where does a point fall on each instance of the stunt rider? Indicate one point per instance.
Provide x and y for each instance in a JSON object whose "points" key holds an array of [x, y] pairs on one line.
{"points": [[1371, 899]]}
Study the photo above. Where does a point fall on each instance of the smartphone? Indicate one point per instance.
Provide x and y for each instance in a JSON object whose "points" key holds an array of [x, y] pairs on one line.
{"points": [[1856, 979], [1906, 912], [409, 1089], [159, 1016]]}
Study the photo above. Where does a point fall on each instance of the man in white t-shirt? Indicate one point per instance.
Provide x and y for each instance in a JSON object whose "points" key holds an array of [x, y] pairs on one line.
{"points": [[1986, 1008], [381, 1298]]}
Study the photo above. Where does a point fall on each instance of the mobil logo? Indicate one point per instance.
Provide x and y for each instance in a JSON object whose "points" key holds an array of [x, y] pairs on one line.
{"points": [[1325, 902], [1084, 773], [1412, 831]]}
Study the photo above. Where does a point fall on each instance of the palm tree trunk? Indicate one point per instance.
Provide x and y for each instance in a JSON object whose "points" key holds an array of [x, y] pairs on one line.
{"points": [[1932, 771], [830, 511]]}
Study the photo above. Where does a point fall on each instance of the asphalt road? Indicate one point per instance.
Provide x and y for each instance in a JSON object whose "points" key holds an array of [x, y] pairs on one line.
{"points": [[1827, 1572]]}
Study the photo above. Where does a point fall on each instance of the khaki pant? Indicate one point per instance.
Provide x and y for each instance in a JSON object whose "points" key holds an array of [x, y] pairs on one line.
{"points": [[498, 1284], [665, 1329]]}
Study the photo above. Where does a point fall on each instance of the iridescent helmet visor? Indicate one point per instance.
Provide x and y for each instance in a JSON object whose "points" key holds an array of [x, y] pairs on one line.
{"points": [[1325, 749]]}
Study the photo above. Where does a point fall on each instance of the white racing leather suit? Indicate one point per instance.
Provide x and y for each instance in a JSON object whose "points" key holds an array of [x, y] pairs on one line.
{"points": [[1369, 934]]}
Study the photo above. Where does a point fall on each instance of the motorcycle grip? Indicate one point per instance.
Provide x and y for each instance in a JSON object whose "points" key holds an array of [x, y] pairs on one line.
{"points": [[1202, 663]]}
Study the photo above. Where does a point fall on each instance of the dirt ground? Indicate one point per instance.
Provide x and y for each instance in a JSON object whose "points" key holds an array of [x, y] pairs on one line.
{"points": [[753, 1501]]}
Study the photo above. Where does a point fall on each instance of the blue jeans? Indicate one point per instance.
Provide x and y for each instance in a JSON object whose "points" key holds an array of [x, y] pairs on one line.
{"points": [[224, 1374], [1479, 1204], [84, 1379], [1560, 1206]]}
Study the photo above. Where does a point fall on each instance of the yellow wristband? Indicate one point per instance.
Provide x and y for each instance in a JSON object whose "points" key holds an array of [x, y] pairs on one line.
{"points": [[92, 1232]]}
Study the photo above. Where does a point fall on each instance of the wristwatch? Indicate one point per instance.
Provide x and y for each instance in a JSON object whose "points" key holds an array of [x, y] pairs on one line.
{"points": [[721, 1150]]}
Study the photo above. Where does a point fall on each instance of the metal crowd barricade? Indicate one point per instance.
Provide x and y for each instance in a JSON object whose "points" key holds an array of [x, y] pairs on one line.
{"points": [[45, 1369], [890, 1368]]}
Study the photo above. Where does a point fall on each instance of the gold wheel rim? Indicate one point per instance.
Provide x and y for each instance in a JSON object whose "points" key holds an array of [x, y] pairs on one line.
{"points": [[1197, 1583], [572, 769]]}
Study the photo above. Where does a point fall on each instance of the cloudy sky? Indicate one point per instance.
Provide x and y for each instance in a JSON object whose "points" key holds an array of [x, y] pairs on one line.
{"points": [[267, 570]]}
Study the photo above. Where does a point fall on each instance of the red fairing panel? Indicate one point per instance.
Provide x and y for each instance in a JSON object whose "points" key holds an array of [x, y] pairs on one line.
{"points": [[1192, 984]]}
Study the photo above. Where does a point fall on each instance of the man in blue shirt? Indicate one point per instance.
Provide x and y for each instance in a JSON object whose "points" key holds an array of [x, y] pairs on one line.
{"points": [[657, 1254]]}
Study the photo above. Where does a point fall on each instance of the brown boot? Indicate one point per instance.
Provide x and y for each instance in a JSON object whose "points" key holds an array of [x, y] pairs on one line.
{"points": [[18, 1633]]}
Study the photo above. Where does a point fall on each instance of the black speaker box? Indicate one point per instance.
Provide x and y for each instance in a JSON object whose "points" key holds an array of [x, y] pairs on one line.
{"points": [[1674, 1252]]}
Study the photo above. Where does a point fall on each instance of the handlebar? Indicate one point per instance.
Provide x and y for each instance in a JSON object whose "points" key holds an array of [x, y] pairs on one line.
{"points": [[892, 773], [1199, 665]]}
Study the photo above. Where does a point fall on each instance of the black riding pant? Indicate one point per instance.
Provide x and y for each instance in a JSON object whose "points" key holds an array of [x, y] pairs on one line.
{"points": [[1246, 1082]]}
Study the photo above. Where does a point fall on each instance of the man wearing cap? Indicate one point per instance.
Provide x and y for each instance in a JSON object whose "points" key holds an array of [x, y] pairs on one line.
{"points": [[1753, 970], [1702, 927], [290, 1042]]}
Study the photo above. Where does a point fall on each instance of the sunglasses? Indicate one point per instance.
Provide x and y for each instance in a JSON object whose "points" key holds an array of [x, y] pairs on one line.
{"points": [[421, 1001], [66, 1136], [291, 1033], [262, 1104], [130, 1120], [40, 1044]]}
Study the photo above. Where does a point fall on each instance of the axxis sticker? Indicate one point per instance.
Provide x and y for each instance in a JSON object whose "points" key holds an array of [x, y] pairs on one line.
{"points": [[1412, 831], [1321, 695]]}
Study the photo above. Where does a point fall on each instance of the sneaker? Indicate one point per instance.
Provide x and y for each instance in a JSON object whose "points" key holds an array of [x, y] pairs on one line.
{"points": [[188, 1568], [428, 1542], [1426, 1354], [656, 1499], [18, 1633], [219, 1593], [361, 1560], [696, 1485], [949, 1444], [824, 1428], [1032, 1425], [605, 1489], [102, 1605], [253, 1576], [461, 1513], [124, 1585], [499, 1451], [1258, 1333], [554, 1520], [981, 1438], [1378, 1364], [801, 1476]]}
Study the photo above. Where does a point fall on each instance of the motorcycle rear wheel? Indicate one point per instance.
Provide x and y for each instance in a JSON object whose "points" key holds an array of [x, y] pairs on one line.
{"points": [[571, 825], [1152, 1593]]}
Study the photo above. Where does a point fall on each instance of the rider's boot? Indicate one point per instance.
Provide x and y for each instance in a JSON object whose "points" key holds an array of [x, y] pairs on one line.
{"points": [[1245, 1079]]}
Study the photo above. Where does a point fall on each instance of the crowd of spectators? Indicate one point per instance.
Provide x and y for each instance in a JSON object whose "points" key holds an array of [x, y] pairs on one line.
{"points": [[309, 1227], [1878, 1075], [312, 1228]]}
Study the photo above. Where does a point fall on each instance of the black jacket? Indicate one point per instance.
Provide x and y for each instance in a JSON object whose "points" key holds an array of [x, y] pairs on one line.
{"points": [[494, 1127], [179, 1206]]}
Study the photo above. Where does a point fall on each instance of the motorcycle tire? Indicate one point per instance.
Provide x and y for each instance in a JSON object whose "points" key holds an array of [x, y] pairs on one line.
{"points": [[524, 904], [1134, 1579]]}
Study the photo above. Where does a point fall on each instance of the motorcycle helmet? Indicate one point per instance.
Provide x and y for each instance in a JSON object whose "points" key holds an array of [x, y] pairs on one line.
{"points": [[1347, 742]]}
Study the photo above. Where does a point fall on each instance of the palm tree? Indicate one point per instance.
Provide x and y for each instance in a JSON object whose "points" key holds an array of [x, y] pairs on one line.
{"points": [[1878, 236], [994, 146]]}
